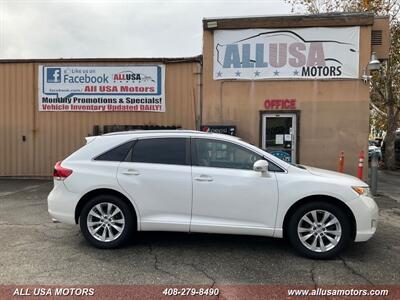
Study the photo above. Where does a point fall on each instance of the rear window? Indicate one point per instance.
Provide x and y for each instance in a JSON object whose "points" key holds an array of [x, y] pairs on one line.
{"points": [[118, 153], [170, 151]]}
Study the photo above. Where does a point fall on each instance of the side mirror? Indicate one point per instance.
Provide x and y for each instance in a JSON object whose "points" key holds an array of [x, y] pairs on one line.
{"points": [[261, 166]]}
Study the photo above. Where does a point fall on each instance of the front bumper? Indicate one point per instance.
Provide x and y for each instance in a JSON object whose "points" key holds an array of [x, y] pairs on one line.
{"points": [[366, 213], [62, 203]]}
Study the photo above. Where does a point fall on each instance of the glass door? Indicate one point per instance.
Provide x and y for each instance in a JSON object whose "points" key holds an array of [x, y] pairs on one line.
{"points": [[279, 135]]}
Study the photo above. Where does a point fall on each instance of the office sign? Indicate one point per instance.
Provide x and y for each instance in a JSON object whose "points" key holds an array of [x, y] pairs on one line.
{"points": [[301, 53], [102, 88], [287, 103]]}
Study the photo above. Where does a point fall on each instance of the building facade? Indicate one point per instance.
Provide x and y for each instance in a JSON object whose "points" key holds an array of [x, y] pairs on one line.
{"points": [[32, 140], [292, 85]]}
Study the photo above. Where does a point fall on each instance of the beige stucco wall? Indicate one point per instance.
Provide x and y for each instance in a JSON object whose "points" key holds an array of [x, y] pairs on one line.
{"points": [[334, 114], [51, 136]]}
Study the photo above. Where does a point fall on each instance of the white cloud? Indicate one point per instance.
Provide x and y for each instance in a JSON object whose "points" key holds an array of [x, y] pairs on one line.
{"points": [[90, 28]]}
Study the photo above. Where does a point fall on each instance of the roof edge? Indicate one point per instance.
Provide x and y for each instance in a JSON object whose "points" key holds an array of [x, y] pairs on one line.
{"points": [[165, 60], [285, 21]]}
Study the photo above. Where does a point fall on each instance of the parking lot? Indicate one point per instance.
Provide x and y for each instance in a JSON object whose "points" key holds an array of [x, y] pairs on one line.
{"points": [[36, 251]]}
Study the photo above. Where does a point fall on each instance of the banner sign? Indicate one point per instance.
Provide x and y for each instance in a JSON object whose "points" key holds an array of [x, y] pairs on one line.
{"points": [[102, 88], [301, 53]]}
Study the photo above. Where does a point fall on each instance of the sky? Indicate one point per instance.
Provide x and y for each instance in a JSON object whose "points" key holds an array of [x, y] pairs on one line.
{"points": [[107, 28]]}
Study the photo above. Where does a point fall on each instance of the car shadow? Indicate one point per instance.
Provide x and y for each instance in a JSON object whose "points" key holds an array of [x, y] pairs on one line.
{"points": [[210, 241], [217, 244]]}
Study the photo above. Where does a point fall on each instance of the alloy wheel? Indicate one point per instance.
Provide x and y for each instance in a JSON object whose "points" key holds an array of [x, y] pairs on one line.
{"points": [[105, 222], [319, 230]]}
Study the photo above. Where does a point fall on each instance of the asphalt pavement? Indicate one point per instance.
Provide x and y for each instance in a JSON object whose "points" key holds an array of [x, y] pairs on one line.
{"points": [[389, 184], [33, 250]]}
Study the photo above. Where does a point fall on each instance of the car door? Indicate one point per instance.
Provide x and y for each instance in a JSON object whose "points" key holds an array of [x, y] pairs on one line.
{"points": [[228, 195], [157, 176]]}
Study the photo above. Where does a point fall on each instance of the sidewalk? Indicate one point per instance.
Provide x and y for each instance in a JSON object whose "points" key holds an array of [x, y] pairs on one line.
{"points": [[389, 184]]}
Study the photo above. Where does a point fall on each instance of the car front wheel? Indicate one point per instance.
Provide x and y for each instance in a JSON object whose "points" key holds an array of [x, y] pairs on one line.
{"points": [[319, 230], [106, 221]]}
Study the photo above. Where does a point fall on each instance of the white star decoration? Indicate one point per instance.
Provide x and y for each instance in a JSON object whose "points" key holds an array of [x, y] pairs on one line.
{"points": [[255, 74]]}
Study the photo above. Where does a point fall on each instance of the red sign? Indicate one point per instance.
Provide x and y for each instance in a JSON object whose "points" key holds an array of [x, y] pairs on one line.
{"points": [[280, 103]]}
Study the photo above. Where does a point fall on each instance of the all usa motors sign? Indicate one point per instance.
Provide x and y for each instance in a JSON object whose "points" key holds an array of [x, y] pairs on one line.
{"points": [[301, 53], [102, 88]]}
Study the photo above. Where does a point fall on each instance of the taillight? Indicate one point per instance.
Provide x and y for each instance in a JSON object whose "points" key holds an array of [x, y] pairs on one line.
{"points": [[60, 173]]}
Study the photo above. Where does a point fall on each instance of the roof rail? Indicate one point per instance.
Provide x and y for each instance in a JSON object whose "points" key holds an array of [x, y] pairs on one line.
{"points": [[153, 131]]}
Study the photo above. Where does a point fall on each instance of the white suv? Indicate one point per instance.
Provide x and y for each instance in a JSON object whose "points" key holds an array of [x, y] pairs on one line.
{"points": [[191, 181]]}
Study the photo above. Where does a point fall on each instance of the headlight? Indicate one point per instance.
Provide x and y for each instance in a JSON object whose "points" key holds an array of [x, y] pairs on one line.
{"points": [[362, 190]]}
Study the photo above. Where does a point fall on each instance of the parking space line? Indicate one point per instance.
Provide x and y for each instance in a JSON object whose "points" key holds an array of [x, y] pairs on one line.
{"points": [[28, 188]]}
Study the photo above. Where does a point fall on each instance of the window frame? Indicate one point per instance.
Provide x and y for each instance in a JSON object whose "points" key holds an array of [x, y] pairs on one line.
{"points": [[133, 141], [195, 156], [188, 158]]}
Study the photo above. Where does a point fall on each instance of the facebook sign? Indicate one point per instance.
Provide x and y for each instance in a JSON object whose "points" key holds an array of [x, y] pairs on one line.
{"points": [[53, 75]]}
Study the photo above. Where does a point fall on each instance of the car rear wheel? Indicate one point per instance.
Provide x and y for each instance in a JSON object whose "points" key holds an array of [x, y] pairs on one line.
{"points": [[319, 230], [106, 221]]}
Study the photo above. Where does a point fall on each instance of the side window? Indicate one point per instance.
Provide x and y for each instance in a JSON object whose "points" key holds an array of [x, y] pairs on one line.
{"points": [[220, 154], [171, 151], [118, 153], [274, 168]]}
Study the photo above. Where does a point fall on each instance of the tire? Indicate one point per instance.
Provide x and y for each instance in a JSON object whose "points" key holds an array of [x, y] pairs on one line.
{"points": [[115, 229], [319, 241]]}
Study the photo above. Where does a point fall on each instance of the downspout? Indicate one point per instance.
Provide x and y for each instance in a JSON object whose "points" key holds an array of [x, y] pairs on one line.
{"points": [[199, 96]]}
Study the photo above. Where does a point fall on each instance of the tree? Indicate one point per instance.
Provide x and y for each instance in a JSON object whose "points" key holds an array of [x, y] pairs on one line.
{"points": [[385, 84]]}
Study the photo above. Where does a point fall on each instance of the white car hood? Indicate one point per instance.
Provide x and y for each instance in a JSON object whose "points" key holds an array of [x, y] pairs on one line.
{"points": [[338, 177]]}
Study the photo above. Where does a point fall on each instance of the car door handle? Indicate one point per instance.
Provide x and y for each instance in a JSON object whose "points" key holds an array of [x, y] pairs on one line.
{"points": [[203, 178], [131, 172]]}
